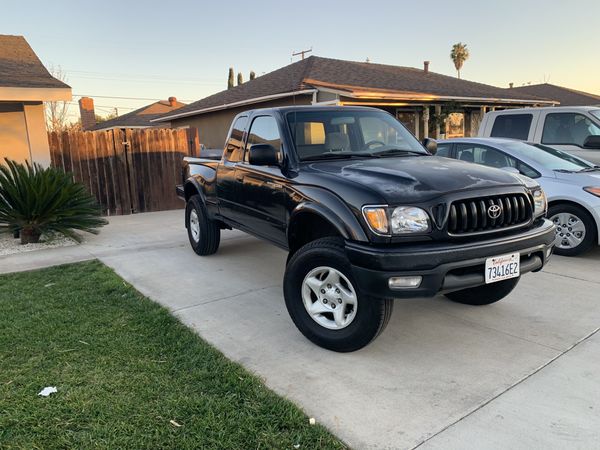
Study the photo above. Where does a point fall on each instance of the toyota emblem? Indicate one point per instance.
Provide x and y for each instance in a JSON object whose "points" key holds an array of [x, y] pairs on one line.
{"points": [[494, 211]]}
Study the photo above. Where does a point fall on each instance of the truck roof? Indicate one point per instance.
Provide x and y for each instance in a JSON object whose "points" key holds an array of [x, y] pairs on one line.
{"points": [[285, 109]]}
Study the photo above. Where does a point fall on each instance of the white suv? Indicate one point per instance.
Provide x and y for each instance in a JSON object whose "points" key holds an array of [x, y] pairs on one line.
{"points": [[575, 129]]}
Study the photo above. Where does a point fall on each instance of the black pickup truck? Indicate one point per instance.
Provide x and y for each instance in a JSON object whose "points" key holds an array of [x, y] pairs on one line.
{"points": [[367, 213]]}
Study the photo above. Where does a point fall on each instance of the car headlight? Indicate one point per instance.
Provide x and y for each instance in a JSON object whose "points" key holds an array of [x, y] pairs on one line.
{"points": [[594, 190], [540, 204], [400, 220]]}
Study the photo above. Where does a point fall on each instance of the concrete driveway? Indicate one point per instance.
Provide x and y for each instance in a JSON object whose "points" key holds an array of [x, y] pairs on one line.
{"points": [[520, 374]]}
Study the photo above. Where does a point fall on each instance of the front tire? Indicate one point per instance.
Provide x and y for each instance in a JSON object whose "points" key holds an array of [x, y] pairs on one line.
{"points": [[324, 300], [485, 294], [575, 229], [204, 234]]}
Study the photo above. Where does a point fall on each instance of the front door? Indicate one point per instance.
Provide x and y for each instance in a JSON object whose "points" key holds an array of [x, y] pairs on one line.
{"points": [[261, 189], [567, 131]]}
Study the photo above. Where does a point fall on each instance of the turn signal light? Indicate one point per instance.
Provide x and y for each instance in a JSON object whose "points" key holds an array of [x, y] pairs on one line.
{"points": [[377, 219]]}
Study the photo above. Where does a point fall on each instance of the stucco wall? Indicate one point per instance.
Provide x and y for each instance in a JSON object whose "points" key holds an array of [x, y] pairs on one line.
{"points": [[213, 126], [23, 132], [13, 134]]}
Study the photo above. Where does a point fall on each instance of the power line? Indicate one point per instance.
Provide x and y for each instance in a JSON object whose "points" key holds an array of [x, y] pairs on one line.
{"points": [[125, 98]]}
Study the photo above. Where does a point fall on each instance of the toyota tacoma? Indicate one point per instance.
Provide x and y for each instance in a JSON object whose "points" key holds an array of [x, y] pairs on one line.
{"points": [[367, 213]]}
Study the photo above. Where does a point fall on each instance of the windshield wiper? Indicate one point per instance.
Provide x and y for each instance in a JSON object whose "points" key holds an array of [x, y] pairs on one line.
{"points": [[589, 169], [397, 151], [564, 170], [333, 155]]}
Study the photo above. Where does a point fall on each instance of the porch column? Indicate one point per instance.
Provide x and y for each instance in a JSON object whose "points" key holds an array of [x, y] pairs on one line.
{"points": [[425, 122], [438, 113]]}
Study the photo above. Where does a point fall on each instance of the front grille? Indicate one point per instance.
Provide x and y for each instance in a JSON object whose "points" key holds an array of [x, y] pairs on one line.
{"points": [[474, 215]]}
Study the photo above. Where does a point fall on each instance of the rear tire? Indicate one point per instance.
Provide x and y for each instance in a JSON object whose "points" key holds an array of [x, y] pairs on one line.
{"points": [[485, 294], [319, 278], [204, 234], [576, 230]]}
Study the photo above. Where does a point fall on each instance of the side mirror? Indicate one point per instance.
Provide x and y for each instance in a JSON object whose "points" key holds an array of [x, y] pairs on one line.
{"points": [[430, 145], [592, 142], [263, 155]]}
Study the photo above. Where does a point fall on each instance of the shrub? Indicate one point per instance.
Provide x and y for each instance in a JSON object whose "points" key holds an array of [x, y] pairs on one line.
{"points": [[36, 200]]}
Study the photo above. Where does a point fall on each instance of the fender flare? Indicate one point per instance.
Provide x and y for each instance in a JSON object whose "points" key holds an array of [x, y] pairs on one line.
{"points": [[339, 216]]}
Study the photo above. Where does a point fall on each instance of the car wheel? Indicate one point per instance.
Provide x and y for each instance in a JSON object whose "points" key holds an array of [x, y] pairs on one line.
{"points": [[204, 234], [575, 229], [485, 294], [324, 300]]}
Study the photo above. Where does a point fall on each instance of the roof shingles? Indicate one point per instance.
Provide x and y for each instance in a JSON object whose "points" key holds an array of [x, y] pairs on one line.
{"points": [[351, 75], [21, 68]]}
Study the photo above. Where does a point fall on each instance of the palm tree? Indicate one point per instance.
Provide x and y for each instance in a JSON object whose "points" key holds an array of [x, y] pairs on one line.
{"points": [[459, 55]]}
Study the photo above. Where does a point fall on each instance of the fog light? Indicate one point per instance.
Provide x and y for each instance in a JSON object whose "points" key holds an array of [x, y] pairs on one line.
{"points": [[404, 282]]}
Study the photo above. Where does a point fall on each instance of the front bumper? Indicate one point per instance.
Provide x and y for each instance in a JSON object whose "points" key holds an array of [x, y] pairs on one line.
{"points": [[445, 267]]}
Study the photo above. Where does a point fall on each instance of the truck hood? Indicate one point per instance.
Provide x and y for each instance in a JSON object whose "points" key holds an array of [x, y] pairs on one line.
{"points": [[413, 178]]}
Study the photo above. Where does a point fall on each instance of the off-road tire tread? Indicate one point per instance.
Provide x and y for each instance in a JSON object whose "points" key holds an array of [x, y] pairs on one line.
{"points": [[385, 305], [210, 233]]}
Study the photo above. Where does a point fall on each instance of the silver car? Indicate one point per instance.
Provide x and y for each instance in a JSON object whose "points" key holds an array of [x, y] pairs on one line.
{"points": [[571, 184]]}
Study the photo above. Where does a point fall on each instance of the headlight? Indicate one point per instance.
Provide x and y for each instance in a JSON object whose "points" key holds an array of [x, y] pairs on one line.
{"points": [[593, 190], [402, 220], [539, 202], [408, 219]]}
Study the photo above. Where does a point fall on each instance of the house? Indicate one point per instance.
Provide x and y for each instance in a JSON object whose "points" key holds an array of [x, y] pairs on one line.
{"points": [[24, 85], [429, 104], [140, 118], [563, 95]]}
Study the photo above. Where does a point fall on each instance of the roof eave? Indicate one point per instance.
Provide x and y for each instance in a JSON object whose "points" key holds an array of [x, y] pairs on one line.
{"points": [[46, 94]]}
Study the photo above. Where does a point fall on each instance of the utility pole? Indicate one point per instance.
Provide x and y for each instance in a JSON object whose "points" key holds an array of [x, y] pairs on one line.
{"points": [[302, 52]]}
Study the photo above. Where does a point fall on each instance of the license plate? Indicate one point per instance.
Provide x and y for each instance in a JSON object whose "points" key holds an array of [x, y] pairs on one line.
{"points": [[503, 267]]}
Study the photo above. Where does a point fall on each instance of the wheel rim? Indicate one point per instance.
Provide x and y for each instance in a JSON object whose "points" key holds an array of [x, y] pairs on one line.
{"points": [[194, 225], [570, 230], [329, 298]]}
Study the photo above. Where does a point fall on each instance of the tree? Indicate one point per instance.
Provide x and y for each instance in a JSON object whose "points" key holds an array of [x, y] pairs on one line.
{"points": [[57, 111], [252, 75], [230, 78], [240, 79], [459, 55]]}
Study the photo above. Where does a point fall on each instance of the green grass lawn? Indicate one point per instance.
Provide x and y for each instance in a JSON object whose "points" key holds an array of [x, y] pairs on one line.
{"points": [[125, 368]]}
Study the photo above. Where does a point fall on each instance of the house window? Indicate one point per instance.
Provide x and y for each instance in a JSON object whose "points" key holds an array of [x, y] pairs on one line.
{"points": [[515, 126]]}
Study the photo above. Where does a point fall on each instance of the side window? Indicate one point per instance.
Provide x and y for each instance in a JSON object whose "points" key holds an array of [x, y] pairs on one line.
{"points": [[443, 150], [515, 126], [484, 155], [568, 128], [233, 148], [264, 130], [527, 171]]}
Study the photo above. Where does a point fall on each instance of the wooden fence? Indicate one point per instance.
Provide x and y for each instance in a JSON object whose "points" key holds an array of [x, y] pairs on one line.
{"points": [[128, 171]]}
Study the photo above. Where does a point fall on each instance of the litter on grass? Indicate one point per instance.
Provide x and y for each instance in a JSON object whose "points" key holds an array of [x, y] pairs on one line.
{"points": [[312, 421], [175, 424], [47, 391]]}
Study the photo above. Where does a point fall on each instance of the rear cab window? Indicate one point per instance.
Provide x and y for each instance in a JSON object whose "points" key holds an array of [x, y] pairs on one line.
{"points": [[514, 126], [234, 147]]}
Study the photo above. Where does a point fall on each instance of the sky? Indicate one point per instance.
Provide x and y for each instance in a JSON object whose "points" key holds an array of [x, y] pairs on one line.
{"points": [[151, 50]]}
